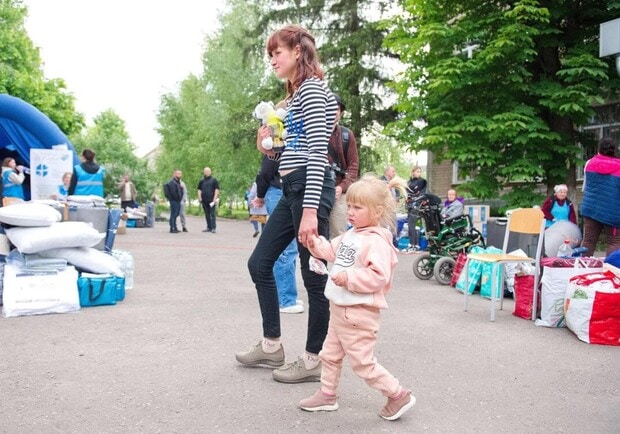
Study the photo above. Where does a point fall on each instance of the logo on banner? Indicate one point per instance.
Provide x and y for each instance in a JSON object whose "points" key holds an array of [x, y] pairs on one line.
{"points": [[41, 170]]}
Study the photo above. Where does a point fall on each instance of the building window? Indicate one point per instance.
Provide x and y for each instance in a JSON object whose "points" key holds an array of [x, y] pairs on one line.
{"points": [[604, 123], [460, 178]]}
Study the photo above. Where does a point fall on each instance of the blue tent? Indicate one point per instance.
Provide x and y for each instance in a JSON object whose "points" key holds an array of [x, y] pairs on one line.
{"points": [[23, 126]]}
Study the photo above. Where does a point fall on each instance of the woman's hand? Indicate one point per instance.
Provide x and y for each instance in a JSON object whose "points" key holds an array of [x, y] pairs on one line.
{"points": [[308, 226], [338, 192], [263, 132]]}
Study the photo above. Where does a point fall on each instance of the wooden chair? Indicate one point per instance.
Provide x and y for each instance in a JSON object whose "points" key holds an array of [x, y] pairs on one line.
{"points": [[527, 224]]}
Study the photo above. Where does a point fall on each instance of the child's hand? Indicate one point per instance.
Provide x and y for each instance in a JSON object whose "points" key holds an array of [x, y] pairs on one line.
{"points": [[313, 241], [340, 279]]}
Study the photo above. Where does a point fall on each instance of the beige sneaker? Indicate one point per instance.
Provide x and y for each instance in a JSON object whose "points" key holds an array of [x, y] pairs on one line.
{"points": [[256, 356], [296, 372], [319, 402], [395, 408]]}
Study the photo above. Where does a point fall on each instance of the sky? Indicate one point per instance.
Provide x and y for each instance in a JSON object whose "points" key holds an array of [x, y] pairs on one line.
{"points": [[122, 54]]}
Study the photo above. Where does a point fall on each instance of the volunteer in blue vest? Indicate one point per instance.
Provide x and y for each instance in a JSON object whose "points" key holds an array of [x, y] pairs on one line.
{"points": [[87, 178], [558, 207], [12, 179]]}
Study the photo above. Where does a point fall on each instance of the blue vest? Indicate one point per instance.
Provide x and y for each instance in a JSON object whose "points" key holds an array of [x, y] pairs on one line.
{"points": [[89, 183], [9, 189], [63, 191], [559, 212]]}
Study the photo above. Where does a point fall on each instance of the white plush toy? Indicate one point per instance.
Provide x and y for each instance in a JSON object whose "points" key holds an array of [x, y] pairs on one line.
{"points": [[268, 115]]}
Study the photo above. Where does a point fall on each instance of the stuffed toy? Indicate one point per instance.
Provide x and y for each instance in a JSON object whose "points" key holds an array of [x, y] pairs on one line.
{"points": [[266, 113]]}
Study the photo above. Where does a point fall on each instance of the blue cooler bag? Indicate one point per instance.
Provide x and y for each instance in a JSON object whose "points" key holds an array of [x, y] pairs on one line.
{"points": [[100, 289]]}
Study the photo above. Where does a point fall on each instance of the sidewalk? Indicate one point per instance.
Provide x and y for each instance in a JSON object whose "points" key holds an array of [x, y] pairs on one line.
{"points": [[162, 361]]}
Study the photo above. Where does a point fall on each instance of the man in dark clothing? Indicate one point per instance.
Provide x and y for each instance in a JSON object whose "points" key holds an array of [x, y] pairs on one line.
{"points": [[208, 191], [344, 161], [174, 194], [87, 178]]}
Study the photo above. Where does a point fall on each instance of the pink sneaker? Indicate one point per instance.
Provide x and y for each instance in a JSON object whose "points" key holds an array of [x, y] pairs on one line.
{"points": [[319, 402], [395, 408]]}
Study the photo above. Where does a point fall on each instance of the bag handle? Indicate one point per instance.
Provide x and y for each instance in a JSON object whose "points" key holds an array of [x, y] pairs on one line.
{"points": [[91, 292]]}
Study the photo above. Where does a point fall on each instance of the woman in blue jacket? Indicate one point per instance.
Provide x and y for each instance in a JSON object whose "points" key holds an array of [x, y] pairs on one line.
{"points": [[600, 207]]}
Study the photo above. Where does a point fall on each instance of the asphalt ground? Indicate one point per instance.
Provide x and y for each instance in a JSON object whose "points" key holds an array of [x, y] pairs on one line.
{"points": [[162, 361]]}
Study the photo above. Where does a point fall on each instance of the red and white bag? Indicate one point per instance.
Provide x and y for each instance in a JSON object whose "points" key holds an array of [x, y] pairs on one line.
{"points": [[553, 285], [592, 307]]}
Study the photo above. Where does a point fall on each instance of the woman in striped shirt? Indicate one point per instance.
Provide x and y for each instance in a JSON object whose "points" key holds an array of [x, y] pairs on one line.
{"points": [[308, 196]]}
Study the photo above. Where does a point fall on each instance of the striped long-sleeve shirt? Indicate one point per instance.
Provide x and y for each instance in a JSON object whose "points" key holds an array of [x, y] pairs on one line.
{"points": [[310, 119]]}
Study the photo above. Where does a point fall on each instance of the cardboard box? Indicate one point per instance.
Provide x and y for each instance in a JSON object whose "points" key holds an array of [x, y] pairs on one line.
{"points": [[478, 213], [98, 217], [482, 227]]}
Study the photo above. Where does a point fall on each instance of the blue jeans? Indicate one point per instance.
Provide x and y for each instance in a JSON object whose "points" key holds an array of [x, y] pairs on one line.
{"points": [[284, 268], [282, 228]]}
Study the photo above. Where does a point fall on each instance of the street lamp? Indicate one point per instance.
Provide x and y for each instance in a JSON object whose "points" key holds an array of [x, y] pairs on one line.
{"points": [[609, 41]]}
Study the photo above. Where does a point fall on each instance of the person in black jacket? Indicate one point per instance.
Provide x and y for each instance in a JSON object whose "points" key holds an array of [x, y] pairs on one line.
{"points": [[174, 194], [208, 192], [415, 187]]}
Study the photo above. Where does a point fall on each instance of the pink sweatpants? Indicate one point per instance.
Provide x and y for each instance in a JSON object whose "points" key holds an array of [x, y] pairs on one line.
{"points": [[353, 333]]}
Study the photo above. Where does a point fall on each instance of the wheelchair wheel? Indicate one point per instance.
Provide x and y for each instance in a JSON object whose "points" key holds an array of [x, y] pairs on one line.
{"points": [[422, 267], [443, 270]]}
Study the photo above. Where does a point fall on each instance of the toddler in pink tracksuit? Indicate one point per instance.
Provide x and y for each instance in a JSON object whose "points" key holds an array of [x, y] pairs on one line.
{"points": [[363, 261]]}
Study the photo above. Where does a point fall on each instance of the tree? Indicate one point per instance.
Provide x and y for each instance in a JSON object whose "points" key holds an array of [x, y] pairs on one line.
{"points": [[110, 141], [501, 87], [209, 122], [21, 74], [350, 37]]}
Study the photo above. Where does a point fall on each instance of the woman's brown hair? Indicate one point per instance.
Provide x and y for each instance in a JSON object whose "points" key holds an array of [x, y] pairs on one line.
{"points": [[308, 62]]}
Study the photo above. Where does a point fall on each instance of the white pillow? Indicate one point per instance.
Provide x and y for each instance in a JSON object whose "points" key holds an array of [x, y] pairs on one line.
{"points": [[87, 258], [56, 236], [29, 214]]}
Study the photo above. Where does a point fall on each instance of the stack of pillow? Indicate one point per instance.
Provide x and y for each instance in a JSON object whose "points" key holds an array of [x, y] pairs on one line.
{"points": [[36, 228]]}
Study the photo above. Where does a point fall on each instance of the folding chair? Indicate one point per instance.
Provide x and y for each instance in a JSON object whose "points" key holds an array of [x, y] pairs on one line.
{"points": [[528, 226]]}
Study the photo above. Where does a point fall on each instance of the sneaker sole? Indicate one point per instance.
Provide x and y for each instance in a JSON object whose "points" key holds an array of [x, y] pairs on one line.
{"points": [[264, 362], [298, 309], [402, 411], [308, 379], [327, 407]]}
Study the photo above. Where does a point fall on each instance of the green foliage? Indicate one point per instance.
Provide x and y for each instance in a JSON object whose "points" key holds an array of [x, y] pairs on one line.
{"points": [[523, 197], [21, 73], [209, 123], [350, 37], [510, 110], [110, 141]]}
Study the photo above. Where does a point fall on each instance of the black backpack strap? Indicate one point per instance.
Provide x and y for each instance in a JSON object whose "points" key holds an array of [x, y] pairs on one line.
{"points": [[345, 134]]}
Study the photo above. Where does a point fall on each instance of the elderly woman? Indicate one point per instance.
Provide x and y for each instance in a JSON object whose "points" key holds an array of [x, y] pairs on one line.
{"points": [[558, 207], [453, 206]]}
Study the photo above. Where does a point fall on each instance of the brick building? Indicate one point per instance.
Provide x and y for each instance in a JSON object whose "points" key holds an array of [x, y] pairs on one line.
{"points": [[605, 123]]}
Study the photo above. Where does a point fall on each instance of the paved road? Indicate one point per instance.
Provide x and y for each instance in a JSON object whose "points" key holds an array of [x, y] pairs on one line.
{"points": [[162, 361]]}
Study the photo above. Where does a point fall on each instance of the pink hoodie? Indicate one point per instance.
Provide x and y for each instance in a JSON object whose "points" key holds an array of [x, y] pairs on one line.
{"points": [[368, 257]]}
